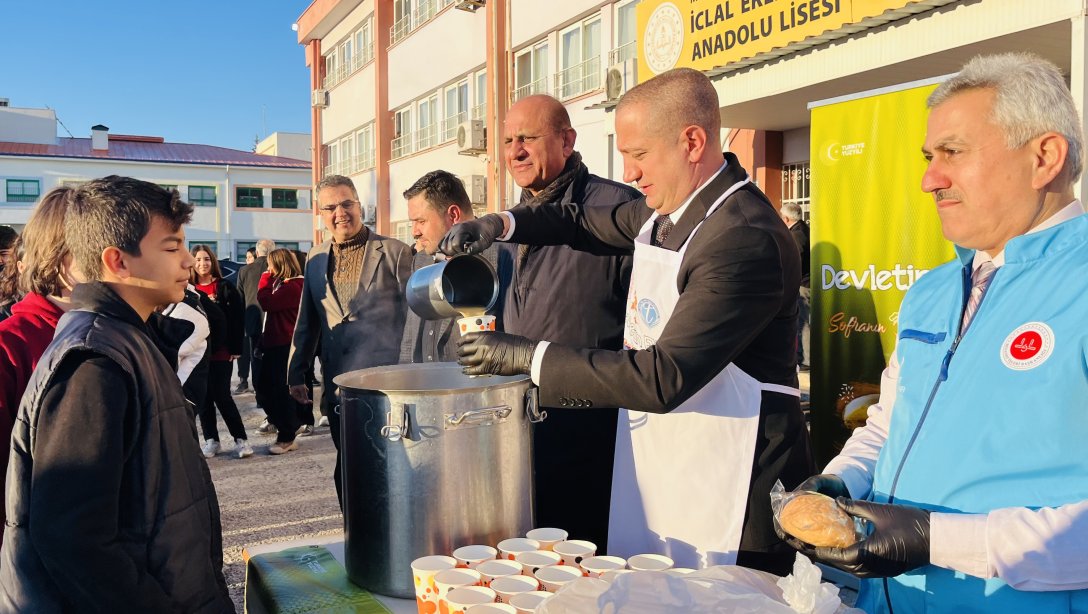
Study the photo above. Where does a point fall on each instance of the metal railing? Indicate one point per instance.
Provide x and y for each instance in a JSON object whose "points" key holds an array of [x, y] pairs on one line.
{"points": [[796, 186], [578, 79], [401, 28], [449, 126], [403, 145], [427, 136], [540, 86], [411, 21], [623, 53], [479, 110]]}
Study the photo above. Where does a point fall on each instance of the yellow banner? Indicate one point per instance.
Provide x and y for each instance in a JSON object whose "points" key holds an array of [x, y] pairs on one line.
{"points": [[706, 34]]}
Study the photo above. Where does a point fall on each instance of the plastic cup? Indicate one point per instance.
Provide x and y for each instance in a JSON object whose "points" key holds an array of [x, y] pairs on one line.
{"points": [[476, 324], [611, 575], [594, 566], [554, 577], [527, 603], [471, 556], [423, 572], [573, 551], [491, 608], [548, 537], [508, 586], [535, 559], [647, 562], [460, 599], [510, 548], [679, 571], [450, 579], [498, 569]]}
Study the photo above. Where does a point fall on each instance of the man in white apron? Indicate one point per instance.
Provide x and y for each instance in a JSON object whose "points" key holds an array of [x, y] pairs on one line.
{"points": [[709, 368]]}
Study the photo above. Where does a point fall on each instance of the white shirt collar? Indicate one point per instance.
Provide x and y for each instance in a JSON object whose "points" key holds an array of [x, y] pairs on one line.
{"points": [[675, 215], [1067, 213]]}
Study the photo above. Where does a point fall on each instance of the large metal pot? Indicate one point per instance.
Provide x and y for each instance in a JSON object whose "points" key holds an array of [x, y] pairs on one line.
{"points": [[432, 460]]}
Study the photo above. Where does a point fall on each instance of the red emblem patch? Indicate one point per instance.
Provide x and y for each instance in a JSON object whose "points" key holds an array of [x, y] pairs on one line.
{"points": [[1028, 346]]}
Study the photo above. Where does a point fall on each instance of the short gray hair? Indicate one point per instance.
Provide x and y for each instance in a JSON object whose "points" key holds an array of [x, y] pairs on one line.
{"points": [[264, 246], [333, 181], [1030, 98], [676, 99], [792, 211]]}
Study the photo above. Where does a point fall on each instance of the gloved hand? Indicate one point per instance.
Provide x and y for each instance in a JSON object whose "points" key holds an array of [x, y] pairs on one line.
{"points": [[826, 484], [898, 543], [472, 237], [495, 354]]}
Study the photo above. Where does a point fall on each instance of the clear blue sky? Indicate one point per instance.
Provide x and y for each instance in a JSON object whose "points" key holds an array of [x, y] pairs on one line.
{"points": [[192, 71]]}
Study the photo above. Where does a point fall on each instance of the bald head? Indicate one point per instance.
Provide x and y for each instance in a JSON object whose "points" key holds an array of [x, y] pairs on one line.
{"points": [[676, 99], [538, 141]]}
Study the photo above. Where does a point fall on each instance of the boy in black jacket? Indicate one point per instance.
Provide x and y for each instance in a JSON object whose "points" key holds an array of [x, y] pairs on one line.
{"points": [[110, 506]]}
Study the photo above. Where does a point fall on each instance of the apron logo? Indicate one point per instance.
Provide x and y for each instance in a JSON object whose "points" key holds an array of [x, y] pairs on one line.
{"points": [[1028, 346], [647, 310]]}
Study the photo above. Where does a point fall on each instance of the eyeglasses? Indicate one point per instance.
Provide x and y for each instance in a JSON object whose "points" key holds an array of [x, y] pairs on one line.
{"points": [[346, 205], [529, 139]]}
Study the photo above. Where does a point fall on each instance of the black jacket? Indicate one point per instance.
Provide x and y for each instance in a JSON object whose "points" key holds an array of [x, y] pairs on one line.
{"points": [[110, 506], [229, 300], [800, 234], [249, 277]]}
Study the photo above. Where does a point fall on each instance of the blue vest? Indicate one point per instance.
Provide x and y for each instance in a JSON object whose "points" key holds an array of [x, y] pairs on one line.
{"points": [[996, 419]]}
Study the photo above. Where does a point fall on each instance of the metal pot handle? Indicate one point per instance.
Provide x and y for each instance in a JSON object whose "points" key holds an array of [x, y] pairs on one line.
{"points": [[478, 417], [397, 426], [532, 405]]}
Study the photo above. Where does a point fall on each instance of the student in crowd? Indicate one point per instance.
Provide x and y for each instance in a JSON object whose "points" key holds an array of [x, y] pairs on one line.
{"points": [[208, 278], [279, 294], [109, 506], [9, 246]]}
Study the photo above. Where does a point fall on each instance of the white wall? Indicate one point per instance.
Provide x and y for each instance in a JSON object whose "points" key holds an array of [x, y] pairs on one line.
{"points": [[19, 125], [529, 19], [441, 50]]}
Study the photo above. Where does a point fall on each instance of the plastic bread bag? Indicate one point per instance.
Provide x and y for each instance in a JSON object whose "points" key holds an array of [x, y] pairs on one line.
{"points": [[813, 518], [725, 588]]}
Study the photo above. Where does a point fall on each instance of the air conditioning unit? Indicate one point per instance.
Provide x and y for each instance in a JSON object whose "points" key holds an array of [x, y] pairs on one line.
{"points": [[620, 78], [471, 137], [476, 186], [320, 98], [470, 5], [371, 214]]}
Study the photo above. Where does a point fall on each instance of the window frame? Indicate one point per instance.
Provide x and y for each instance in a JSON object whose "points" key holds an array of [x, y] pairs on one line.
{"points": [[203, 201], [253, 199], [22, 196], [291, 203]]}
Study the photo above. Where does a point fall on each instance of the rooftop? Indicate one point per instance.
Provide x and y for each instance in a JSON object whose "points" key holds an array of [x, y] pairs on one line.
{"points": [[148, 149]]}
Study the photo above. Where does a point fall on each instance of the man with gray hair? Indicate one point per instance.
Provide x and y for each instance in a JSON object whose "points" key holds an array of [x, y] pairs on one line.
{"points": [[708, 370], [249, 277], [792, 216], [971, 468]]}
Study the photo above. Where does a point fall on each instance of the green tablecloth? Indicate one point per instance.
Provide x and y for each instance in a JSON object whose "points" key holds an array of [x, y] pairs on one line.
{"points": [[307, 579]]}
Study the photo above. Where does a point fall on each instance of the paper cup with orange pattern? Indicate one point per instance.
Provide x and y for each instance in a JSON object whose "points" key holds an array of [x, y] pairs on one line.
{"points": [[498, 569], [594, 566], [423, 572], [460, 599], [476, 324], [547, 536], [527, 603], [555, 577], [649, 562], [510, 548], [449, 579], [508, 586], [492, 608], [574, 551], [535, 559], [471, 556]]}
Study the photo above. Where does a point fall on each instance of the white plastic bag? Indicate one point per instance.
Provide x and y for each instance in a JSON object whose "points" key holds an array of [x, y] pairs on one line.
{"points": [[725, 588]]}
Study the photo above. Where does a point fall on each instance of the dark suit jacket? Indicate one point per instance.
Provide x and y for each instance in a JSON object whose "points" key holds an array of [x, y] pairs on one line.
{"points": [[249, 277], [369, 334], [800, 234], [738, 286]]}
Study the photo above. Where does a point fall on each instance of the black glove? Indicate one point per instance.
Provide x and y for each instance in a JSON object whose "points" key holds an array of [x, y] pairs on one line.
{"points": [[826, 484], [495, 354], [472, 237], [899, 541]]}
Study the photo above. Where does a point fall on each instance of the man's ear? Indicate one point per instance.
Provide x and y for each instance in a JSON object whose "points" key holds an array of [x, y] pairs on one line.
{"points": [[570, 135], [694, 141], [1049, 152], [453, 213], [114, 263]]}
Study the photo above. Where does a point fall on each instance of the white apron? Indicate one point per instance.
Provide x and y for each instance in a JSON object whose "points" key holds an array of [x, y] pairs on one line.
{"points": [[680, 480]]}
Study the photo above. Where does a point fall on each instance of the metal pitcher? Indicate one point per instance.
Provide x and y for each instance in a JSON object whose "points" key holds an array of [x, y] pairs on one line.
{"points": [[432, 460], [442, 290]]}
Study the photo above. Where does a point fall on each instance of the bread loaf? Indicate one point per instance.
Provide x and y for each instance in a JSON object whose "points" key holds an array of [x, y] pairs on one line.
{"points": [[816, 519]]}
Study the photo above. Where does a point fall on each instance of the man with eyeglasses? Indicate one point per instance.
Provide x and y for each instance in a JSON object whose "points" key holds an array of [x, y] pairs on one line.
{"points": [[572, 297], [352, 301]]}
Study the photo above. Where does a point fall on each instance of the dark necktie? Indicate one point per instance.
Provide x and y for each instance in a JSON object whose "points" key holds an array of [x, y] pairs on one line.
{"points": [[662, 227], [980, 280]]}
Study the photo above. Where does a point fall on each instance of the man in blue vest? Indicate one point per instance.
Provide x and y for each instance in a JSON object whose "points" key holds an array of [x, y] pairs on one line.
{"points": [[971, 469]]}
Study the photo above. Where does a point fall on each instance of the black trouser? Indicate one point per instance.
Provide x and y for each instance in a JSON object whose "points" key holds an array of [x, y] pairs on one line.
{"points": [[329, 396], [244, 358], [219, 373], [272, 393]]}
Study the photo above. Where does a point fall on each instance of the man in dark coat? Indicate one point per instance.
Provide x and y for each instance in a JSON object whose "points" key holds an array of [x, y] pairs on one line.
{"points": [[437, 201], [110, 506], [570, 297], [791, 215], [717, 317], [249, 363]]}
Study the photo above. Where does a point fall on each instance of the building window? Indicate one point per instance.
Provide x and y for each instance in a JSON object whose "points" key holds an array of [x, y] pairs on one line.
{"points": [[208, 242], [364, 42], [626, 33], [480, 106], [332, 69], [249, 197], [531, 71], [456, 110], [23, 190], [580, 60], [240, 248], [202, 195], [402, 128], [364, 145], [427, 135], [796, 186], [402, 231], [284, 199]]}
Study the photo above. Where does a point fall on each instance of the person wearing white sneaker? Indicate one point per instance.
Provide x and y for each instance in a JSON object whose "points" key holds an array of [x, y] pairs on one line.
{"points": [[304, 431], [324, 421], [242, 448], [210, 448], [282, 447]]}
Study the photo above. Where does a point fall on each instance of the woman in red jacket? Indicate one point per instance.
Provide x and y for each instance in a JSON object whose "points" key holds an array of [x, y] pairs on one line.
{"points": [[279, 293], [47, 281]]}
